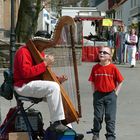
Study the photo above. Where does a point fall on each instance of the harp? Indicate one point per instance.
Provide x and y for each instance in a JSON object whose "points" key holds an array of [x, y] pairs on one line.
{"points": [[38, 44]]}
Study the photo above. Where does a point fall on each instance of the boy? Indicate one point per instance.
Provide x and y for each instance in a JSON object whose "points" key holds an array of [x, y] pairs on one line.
{"points": [[106, 81]]}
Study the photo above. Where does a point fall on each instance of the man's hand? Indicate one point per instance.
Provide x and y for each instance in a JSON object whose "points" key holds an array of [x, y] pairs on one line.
{"points": [[62, 78], [48, 60]]}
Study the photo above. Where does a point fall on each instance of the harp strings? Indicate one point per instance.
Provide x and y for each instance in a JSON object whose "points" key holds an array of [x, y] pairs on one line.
{"points": [[66, 65], [70, 68]]}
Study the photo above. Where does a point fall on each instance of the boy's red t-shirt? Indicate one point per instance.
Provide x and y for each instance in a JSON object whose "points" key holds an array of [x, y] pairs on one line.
{"points": [[105, 78]]}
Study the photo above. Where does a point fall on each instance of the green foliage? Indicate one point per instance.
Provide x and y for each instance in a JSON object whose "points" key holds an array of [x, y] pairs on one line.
{"points": [[85, 3], [134, 25]]}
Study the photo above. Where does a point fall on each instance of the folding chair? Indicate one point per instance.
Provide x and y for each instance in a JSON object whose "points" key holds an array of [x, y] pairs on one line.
{"points": [[20, 109]]}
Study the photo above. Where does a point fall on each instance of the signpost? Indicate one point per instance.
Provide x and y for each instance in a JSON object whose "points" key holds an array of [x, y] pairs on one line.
{"points": [[12, 35]]}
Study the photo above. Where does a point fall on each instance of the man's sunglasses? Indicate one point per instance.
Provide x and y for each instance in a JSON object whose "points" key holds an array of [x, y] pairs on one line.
{"points": [[104, 52]]}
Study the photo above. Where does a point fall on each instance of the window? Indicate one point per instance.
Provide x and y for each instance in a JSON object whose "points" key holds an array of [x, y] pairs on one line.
{"points": [[135, 3], [131, 3]]}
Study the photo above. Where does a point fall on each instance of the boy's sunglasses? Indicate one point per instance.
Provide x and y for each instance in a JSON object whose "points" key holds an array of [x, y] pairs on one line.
{"points": [[104, 52]]}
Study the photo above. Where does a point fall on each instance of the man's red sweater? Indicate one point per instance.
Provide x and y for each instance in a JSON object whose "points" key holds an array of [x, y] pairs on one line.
{"points": [[25, 69]]}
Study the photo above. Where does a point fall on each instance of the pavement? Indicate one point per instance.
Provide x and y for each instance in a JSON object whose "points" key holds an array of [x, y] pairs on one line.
{"points": [[128, 110]]}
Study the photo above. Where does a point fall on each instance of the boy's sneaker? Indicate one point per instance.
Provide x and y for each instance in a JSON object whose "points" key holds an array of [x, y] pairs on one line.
{"points": [[95, 137]]}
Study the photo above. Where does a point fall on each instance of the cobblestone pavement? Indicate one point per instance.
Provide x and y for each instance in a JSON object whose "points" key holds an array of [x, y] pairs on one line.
{"points": [[128, 112]]}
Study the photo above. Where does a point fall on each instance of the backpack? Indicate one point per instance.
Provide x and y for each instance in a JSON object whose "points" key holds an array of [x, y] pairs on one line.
{"points": [[6, 89], [35, 119], [10, 127]]}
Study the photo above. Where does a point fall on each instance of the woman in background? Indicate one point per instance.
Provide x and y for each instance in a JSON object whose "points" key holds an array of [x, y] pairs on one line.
{"points": [[132, 40]]}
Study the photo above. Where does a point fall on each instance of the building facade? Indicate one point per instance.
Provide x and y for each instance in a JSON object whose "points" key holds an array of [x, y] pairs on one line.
{"points": [[134, 12], [125, 10], [5, 16], [119, 10], [46, 21]]}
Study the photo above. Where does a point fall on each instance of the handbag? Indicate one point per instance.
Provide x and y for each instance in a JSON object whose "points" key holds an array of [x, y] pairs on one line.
{"points": [[6, 89], [127, 43]]}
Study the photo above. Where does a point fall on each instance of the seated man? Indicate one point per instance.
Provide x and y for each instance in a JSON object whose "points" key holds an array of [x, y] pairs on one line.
{"points": [[27, 82]]}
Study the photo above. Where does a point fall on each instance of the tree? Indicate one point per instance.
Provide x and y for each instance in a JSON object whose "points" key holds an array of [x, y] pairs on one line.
{"points": [[28, 15], [57, 5], [85, 3], [27, 19]]}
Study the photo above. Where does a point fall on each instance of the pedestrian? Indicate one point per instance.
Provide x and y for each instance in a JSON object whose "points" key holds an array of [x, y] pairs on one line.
{"points": [[114, 57], [106, 81], [110, 39], [119, 44], [131, 42], [125, 49]]}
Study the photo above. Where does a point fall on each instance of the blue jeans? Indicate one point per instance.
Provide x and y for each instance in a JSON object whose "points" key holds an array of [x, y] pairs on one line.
{"points": [[119, 54], [105, 105]]}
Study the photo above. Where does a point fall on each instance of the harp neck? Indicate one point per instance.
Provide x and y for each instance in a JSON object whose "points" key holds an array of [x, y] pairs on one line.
{"points": [[43, 43]]}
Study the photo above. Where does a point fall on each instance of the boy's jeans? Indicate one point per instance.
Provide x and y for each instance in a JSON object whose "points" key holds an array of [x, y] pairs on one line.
{"points": [[105, 105]]}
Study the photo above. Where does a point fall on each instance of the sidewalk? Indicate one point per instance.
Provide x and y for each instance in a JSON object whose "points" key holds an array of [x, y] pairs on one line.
{"points": [[128, 113]]}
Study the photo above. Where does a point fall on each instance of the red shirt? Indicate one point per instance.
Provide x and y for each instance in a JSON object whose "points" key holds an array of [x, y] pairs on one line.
{"points": [[25, 69], [118, 40], [105, 78]]}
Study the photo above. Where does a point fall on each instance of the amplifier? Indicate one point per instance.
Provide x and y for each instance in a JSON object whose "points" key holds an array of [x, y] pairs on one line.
{"points": [[35, 119]]}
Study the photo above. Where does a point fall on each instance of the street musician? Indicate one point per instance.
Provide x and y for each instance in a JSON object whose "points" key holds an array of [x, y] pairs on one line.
{"points": [[34, 78]]}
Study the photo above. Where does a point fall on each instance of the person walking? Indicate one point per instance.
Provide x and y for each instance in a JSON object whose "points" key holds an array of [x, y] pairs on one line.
{"points": [[132, 40], [110, 38], [120, 37], [125, 50], [106, 81]]}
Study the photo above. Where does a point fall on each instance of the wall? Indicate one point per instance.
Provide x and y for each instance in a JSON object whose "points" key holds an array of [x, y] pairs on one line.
{"points": [[5, 16], [103, 6]]}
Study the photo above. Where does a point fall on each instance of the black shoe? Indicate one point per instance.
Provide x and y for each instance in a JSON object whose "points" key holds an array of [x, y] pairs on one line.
{"points": [[58, 127], [79, 136], [132, 66]]}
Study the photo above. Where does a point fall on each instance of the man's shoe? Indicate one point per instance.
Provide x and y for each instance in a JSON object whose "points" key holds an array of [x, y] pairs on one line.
{"points": [[95, 137], [58, 127], [79, 136]]}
